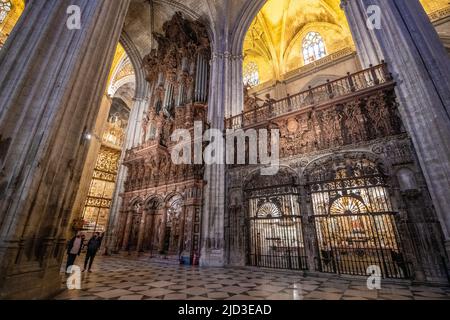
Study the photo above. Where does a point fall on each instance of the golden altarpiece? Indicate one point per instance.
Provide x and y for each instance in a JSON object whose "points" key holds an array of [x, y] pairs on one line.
{"points": [[162, 202], [99, 198]]}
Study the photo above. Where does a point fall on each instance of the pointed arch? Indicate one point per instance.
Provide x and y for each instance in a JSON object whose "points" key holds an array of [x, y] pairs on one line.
{"points": [[142, 88]]}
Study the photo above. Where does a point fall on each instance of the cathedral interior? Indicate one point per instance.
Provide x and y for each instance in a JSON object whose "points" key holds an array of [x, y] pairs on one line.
{"points": [[357, 92]]}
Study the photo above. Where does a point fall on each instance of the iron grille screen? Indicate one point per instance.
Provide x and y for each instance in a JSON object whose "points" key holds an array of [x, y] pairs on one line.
{"points": [[354, 220], [275, 229]]}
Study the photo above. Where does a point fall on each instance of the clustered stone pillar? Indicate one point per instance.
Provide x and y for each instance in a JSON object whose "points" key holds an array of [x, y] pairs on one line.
{"points": [[369, 52], [47, 108], [422, 72], [423, 88], [212, 247], [226, 73]]}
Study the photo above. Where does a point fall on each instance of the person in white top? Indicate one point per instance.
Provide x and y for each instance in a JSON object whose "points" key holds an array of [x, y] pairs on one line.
{"points": [[74, 249]]}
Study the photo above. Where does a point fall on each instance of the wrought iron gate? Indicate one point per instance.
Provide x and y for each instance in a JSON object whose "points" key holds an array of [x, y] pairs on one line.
{"points": [[354, 220], [275, 229]]}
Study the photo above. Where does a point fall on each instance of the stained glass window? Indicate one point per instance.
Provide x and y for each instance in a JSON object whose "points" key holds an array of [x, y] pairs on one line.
{"points": [[313, 47], [5, 8], [251, 74]]}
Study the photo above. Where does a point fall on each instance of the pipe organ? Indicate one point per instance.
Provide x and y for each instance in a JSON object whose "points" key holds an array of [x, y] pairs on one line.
{"points": [[161, 210]]}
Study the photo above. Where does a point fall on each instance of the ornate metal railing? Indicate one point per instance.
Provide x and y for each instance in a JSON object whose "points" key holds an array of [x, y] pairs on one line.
{"points": [[326, 93], [439, 14]]}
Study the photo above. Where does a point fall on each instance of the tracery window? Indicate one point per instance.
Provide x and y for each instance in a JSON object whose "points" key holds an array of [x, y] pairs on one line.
{"points": [[5, 8], [313, 47], [251, 74]]}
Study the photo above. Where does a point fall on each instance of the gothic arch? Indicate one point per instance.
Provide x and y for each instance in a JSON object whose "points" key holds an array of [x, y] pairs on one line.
{"points": [[142, 89], [245, 19], [340, 157], [136, 200], [172, 195], [124, 81], [180, 7], [153, 201], [205, 16], [285, 175]]}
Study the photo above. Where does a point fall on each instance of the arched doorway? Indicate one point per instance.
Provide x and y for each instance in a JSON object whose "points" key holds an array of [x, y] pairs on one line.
{"points": [[173, 227], [151, 239], [135, 221], [274, 222], [354, 219]]}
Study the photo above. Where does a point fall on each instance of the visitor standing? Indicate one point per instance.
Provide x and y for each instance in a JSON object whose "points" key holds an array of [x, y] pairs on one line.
{"points": [[74, 249], [92, 248]]}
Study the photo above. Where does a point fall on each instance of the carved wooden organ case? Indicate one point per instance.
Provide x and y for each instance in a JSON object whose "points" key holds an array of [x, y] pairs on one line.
{"points": [[178, 75]]}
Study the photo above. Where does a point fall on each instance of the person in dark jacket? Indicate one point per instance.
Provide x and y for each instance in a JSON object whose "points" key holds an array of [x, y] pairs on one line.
{"points": [[398, 259], [74, 249], [92, 248]]}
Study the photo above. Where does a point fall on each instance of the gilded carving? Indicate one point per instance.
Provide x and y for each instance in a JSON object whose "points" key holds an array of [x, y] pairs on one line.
{"points": [[169, 228]]}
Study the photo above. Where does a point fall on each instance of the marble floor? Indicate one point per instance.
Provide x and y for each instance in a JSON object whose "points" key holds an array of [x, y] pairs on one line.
{"points": [[122, 278]]}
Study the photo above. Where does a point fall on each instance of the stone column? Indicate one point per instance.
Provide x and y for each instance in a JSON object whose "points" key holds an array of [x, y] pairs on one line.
{"points": [[52, 81], [237, 86], [421, 68], [225, 99], [369, 52], [212, 242], [133, 135]]}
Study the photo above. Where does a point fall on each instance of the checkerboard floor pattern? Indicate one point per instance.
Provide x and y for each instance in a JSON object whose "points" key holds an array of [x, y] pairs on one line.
{"points": [[126, 278]]}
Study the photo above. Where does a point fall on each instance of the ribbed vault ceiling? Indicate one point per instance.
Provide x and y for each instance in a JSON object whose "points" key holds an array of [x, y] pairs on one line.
{"points": [[275, 38]]}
